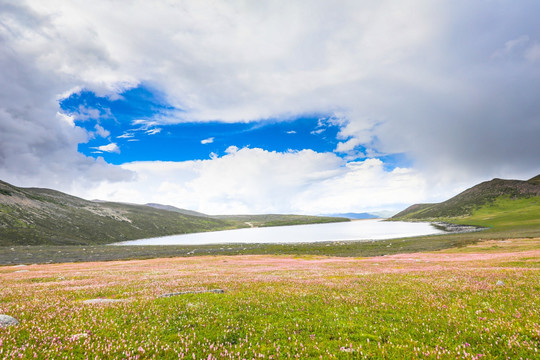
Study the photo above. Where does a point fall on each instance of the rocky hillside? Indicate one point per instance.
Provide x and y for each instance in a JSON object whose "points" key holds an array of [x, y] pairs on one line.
{"points": [[474, 198], [31, 216]]}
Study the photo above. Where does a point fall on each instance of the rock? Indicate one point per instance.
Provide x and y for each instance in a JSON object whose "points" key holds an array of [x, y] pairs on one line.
{"points": [[102, 301], [6, 320], [500, 283], [216, 291]]}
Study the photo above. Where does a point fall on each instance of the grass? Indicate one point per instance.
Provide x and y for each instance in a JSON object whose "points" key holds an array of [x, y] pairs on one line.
{"points": [[506, 213], [57, 254], [470, 200], [443, 305], [30, 216], [528, 227], [312, 301], [268, 220], [469, 296]]}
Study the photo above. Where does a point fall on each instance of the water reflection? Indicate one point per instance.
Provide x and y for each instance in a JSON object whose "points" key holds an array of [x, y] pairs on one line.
{"points": [[346, 231]]}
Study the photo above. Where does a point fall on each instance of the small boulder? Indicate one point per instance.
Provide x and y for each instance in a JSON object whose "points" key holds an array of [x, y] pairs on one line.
{"points": [[6, 320]]}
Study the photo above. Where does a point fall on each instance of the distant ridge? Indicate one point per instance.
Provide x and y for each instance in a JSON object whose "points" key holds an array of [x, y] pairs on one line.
{"points": [[355, 216], [175, 209], [471, 199]]}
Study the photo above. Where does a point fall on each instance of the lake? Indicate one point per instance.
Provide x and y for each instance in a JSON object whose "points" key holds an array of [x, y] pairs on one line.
{"points": [[343, 231]]}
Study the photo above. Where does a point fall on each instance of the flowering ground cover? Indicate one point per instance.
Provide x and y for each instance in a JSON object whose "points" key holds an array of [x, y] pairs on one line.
{"points": [[476, 302]]}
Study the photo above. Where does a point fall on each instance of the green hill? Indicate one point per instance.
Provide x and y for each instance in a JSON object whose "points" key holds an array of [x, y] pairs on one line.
{"points": [[497, 203], [33, 216]]}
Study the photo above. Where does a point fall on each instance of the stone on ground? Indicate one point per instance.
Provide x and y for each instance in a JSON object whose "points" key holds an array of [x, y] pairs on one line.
{"points": [[6, 320]]}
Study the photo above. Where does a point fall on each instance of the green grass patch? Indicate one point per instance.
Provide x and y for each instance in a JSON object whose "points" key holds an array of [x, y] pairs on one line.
{"points": [[506, 213], [445, 312]]}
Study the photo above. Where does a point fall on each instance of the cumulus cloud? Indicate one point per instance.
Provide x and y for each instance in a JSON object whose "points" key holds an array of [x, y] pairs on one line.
{"points": [[255, 180], [207, 141], [413, 77], [101, 131]]}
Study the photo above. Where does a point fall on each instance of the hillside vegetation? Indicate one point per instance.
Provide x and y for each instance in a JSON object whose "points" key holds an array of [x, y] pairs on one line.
{"points": [[41, 216], [280, 220], [32, 216], [502, 205]]}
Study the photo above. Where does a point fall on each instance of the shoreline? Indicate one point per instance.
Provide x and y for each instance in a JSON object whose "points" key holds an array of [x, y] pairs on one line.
{"points": [[457, 228]]}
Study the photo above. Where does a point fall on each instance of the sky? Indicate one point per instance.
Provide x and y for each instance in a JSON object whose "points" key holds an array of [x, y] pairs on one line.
{"points": [[227, 107]]}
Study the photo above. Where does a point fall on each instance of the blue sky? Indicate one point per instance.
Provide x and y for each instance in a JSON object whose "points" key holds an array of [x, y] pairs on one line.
{"points": [[131, 120]]}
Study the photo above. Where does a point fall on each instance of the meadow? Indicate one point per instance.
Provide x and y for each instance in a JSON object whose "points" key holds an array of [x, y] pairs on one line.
{"points": [[475, 302]]}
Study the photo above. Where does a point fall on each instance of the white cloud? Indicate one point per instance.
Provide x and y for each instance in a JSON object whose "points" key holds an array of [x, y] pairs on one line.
{"points": [[126, 135], [290, 132], [85, 113], [112, 147], [101, 131], [66, 118], [207, 141], [348, 146], [153, 131], [144, 124], [414, 77], [259, 181], [365, 186]]}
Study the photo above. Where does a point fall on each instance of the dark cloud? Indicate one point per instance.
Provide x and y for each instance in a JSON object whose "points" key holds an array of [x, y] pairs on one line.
{"points": [[483, 119], [36, 145], [454, 85]]}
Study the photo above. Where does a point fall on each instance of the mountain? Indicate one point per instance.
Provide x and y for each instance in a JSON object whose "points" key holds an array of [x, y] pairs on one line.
{"points": [[34, 216], [31, 216], [263, 220], [356, 216], [481, 196], [175, 209]]}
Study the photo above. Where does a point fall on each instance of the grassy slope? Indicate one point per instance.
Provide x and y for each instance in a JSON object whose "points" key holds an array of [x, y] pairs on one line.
{"points": [[35, 216], [505, 213], [509, 208], [472, 199], [42, 216]]}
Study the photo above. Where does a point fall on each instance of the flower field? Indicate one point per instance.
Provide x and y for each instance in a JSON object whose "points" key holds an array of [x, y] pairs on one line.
{"points": [[481, 302]]}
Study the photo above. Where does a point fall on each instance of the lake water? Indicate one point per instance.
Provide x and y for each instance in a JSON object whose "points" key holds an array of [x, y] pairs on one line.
{"points": [[344, 231]]}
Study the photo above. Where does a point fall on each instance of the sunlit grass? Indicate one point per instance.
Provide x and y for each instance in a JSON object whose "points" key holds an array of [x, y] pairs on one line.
{"points": [[506, 213], [439, 305]]}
